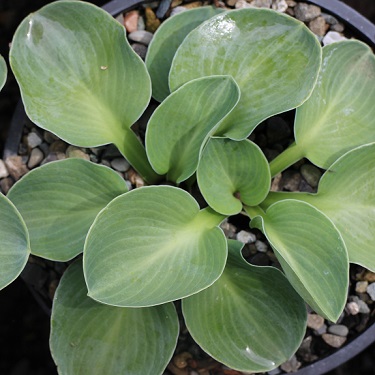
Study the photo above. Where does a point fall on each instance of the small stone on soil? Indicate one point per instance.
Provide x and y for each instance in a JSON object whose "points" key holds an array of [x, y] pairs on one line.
{"points": [[305, 12], [246, 237], [318, 26], [352, 308], [261, 246], [120, 164], [338, 330], [315, 321], [333, 340], [261, 3], [3, 169], [141, 36], [140, 50], [311, 174], [15, 166], [332, 37], [131, 21], [361, 286], [371, 291], [75, 152], [292, 365], [36, 157], [33, 140], [279, 5]]}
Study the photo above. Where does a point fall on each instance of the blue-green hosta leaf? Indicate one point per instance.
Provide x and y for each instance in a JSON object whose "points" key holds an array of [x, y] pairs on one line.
{"points": [[181, 125], [165, 42], [231, 173], [60, 200], [251, 318], [87, 336], [14, 242], [80, 79], [3, 72], [311, 252], [153, 245], [340, 114], [274, 59], [346, 194]]}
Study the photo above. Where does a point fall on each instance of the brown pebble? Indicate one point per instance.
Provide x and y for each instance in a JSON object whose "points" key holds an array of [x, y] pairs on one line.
{"points": [[195, 4], [180, 360], [231, 3], [6, 184], [369, 276], [318, 26], [315, 321], [15, 166], [361, 286], [152, 22], [177, 371], [58, 146], [131, 21], [134, 178], [333, 340], [176, 3]]}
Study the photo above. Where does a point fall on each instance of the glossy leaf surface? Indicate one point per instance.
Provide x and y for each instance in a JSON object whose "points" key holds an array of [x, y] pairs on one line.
{"points": [[153, 245], [232, 172], [107, 339], [181, 125], [251, 319], [60, 200], [3, 72], [273, 58], [14, 243], [80, 78], [165, 42], [340, 114], [311, 252]]}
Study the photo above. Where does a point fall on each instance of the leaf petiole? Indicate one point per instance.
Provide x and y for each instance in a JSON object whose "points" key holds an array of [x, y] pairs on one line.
{"points": [[287, 158]]}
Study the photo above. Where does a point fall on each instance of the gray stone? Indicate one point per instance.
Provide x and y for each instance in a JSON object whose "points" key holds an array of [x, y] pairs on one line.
{"points": [[16, 167], [141, 36], [241, 4], [318, 26], [261, 246], [229, 229], [339, 27], [311, 174], [58, 146], [53, 156], [333, 340], [352, 308], [338, 330], [362, 306], [275, 371], [291, 180], [120, 164], [246, 237], [321, 330], [140, 50], [111, 151], [33, 140], [315, 321], [292, 365], [361, 286], [262, 3], [181, 9], [332, 37], [305, 12], [3, 169], [329, 19], [36, 157], [75, 152], [279, 5], [371, 291]]}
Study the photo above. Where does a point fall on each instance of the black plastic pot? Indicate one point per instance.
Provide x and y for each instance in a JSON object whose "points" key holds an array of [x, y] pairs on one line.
{"points": [[362, 29]]}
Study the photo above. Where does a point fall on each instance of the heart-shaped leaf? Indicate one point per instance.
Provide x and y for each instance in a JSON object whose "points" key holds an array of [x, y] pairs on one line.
{"points": [[231, 173], [14, 243], [273, 58], [340, 114], [181, 125], [165, 42], [153, 245], [311, 251], [3, 72], [346, 194], [251, 318], [107, 339], [80, 79], [60, 200]]}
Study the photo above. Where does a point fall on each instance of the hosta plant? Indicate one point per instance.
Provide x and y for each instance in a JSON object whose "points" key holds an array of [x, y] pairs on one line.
{"points": [[218, 74]]}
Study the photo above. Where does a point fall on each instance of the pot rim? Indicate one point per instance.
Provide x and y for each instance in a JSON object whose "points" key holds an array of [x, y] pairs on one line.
{"points": [[356, 22]]}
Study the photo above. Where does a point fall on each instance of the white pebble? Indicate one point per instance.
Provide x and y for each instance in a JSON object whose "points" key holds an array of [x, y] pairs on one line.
{"points": [[3, 169], [33, 140], [261, 247], [332, 37], [141, 36], [352, 308], [246, 237], [178, 10]]}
